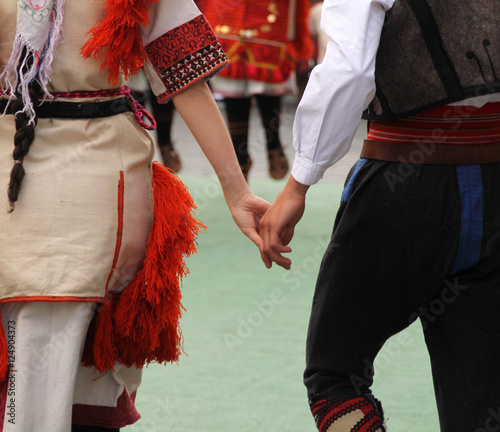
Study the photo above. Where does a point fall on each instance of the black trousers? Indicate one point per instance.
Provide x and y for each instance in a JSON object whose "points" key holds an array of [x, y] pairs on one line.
{"points": [[238, 116], [414, 242]]}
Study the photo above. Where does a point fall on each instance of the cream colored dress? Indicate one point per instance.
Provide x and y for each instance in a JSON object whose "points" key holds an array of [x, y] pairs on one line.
{"points": [[61, 239], [62, 243]]}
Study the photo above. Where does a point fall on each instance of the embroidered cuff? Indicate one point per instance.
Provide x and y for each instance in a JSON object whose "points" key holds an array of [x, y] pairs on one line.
{"points": [[184, 55]]}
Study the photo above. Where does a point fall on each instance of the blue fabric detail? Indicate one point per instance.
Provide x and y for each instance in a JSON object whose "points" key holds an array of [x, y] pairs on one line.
{"points": [[346, 193], [470, 185]]}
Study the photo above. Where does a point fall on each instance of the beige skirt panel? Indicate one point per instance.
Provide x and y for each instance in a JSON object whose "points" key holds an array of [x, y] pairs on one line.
{"points": [[69, 235]]}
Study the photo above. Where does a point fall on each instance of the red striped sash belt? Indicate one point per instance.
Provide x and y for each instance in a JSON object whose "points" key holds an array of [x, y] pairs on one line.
{"points": [[444, 135]]}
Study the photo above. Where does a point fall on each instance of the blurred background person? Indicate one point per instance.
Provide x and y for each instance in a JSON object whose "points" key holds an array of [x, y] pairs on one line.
{"points": [[263, 40]]}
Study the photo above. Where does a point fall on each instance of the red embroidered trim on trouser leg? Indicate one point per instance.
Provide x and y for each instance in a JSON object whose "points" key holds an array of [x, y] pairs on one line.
{"points": [[338, 414]]}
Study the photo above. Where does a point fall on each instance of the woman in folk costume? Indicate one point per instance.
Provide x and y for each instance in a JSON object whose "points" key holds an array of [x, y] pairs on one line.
{"points": [[83, 224], [263, 39], [417, 232]]}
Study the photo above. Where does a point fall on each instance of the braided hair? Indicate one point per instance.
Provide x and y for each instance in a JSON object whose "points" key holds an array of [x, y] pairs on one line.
{"points": [[24, 137]]}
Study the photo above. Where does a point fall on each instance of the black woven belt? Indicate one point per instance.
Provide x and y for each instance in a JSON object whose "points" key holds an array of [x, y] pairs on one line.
{"points": [[76, 110]]}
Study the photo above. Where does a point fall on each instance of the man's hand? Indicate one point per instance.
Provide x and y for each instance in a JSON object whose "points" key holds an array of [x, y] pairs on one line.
{"points": [[278, 224]]}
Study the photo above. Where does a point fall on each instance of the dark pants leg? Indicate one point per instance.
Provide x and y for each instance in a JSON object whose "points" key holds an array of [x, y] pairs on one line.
{"points": [[392, 252], [462, 330], [238, 114], [270, 112], [164, 116]]}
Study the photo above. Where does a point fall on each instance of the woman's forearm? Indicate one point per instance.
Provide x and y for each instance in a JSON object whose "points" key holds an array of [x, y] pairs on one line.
{"points": [[199, 110]]}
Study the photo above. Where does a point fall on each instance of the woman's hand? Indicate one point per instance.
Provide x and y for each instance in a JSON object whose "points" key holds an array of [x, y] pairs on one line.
{"points": [[247, 213], [197, 107]]}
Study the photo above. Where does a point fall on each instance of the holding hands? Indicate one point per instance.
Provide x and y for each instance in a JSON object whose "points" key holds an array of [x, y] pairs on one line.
{"points": [[270, 227]]}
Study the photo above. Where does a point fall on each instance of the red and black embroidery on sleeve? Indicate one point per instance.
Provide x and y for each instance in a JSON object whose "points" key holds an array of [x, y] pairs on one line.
{"points": [[185, 54]]}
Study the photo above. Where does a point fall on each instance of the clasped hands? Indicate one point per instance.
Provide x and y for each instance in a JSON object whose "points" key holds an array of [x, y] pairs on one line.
{"points": [[273, 226]]}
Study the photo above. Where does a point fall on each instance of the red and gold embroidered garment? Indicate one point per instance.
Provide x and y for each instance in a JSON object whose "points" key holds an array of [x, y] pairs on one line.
{"points": [[262, 38]]}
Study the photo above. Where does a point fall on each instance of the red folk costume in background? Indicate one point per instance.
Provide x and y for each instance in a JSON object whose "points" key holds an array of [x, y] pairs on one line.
{"points": [[262, 38]]}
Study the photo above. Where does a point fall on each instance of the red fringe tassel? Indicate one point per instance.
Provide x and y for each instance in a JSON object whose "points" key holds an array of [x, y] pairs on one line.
{"points": [[141, 325], [116, 40]]}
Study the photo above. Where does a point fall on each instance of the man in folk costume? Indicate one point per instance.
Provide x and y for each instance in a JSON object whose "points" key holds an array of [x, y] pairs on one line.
{"points": [[88, 219], [417, 233]]}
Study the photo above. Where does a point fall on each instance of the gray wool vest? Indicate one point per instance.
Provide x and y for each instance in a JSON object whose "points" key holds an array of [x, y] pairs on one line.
{"points": [[434, 52]]}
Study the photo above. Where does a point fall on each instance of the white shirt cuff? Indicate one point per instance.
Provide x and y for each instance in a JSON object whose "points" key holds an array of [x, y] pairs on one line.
{"points": [[306, 172]]}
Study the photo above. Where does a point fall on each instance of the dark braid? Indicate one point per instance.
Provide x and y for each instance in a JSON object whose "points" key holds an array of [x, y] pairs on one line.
{"points": [[25, 134]]}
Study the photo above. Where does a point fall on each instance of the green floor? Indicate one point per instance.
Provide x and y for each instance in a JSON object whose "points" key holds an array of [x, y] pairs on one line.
{"points": [[244, 335]]}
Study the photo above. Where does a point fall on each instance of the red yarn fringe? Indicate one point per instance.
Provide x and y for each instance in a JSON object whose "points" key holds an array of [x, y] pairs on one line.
{"points": [[116, 40], [141, 325]]}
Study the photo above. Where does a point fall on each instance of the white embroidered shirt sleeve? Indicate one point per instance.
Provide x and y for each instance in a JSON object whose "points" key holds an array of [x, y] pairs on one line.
{"points": [[181, 47], [340, 88]]}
